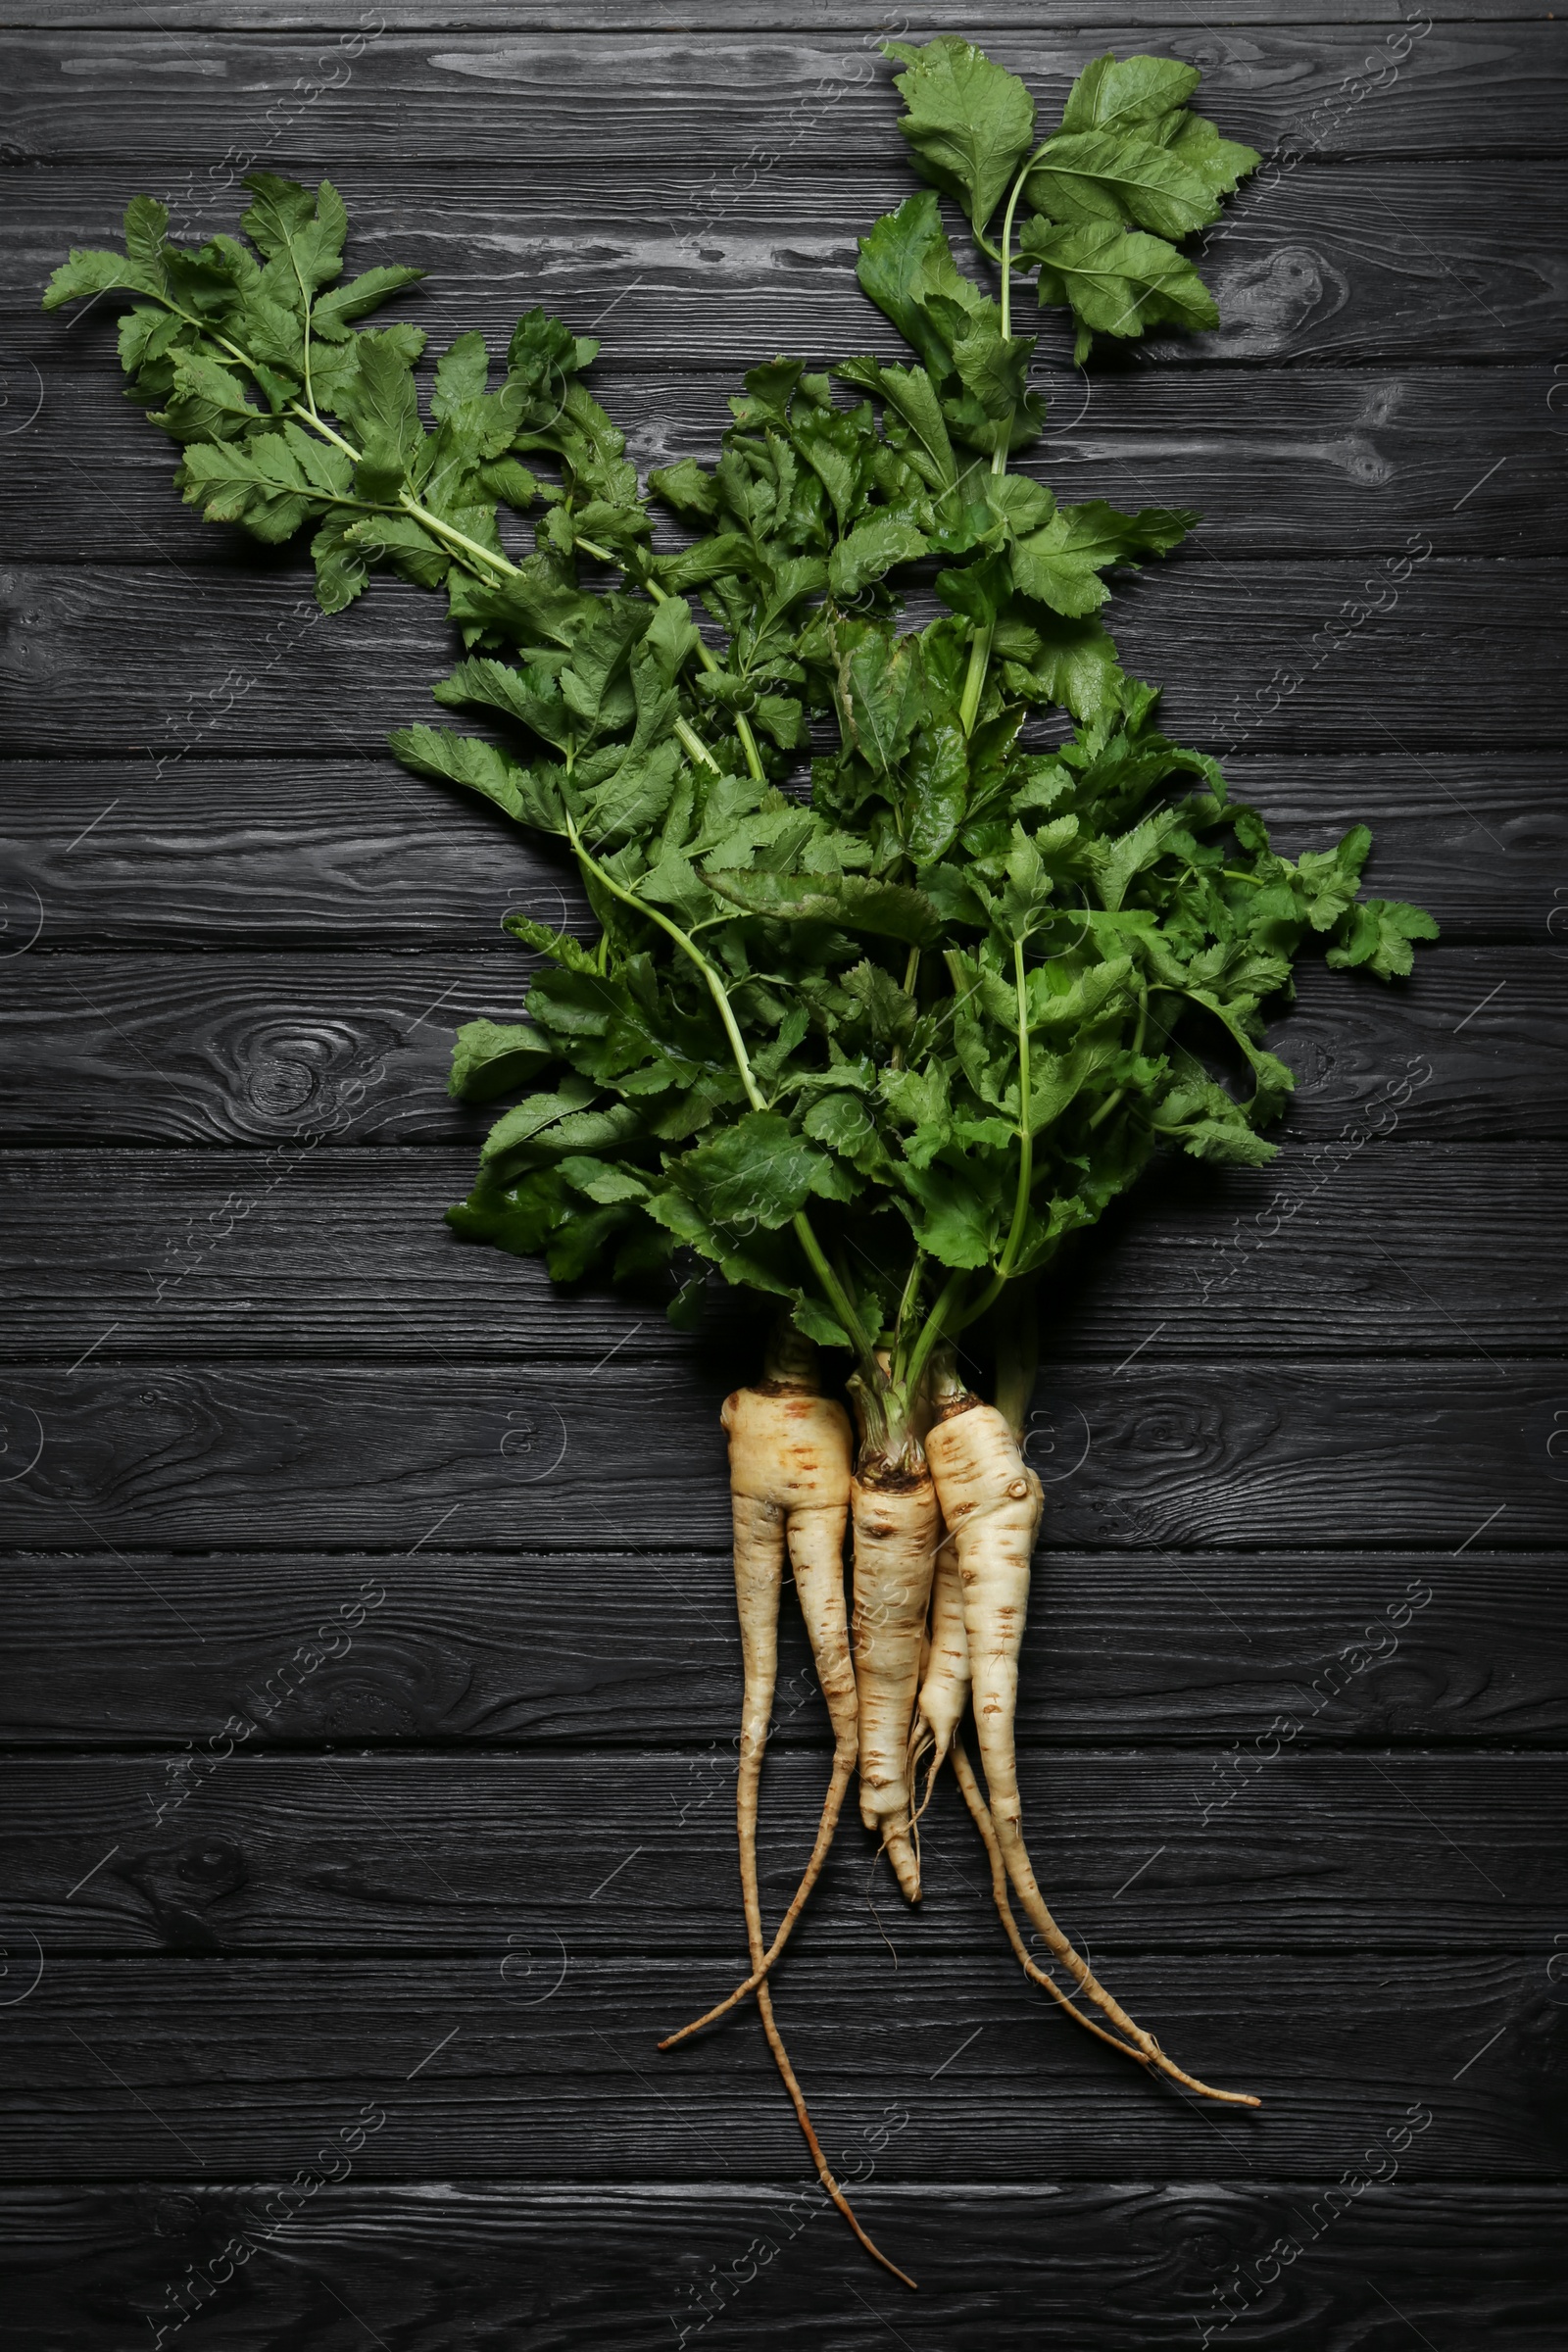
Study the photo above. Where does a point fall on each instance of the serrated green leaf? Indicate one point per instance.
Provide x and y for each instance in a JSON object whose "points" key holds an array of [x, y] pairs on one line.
{"points": [[871, 549], [909, 392], [1072, 663], [1115, 94], [524, 793], [561, 949], [971, 122], [756, 1173], [1120, 177], [1059, 565], [879, 690], [1377, 934], [258, 483], [855, 902], [87, 272], [1117, 281], [340, 570], [490, 1058], [1221, 164], [953, 1219], [905, 263], [686, 488], [335, 310]]}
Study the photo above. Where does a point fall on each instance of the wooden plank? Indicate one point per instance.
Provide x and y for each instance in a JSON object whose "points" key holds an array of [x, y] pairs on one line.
{"points": [[1149, 18], [225, 852], [87, 669], [288, 1052], [1349, 263], [471, 1650], [1267, 1454], [1401, 1925], [631, 1853], [1404, 1251], [252, 2064], [1106, 2265], [151, 97], [1308, 462]]}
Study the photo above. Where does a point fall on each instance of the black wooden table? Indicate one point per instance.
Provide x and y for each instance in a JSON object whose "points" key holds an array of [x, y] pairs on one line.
{"points": [[377, 1983]]}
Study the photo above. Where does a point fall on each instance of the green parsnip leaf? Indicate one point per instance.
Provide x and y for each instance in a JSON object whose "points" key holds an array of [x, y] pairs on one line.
{"points": [[971, 122], [1015, 945]]}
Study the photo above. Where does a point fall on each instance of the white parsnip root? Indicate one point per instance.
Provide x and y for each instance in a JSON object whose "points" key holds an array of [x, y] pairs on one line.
{"points": [[963, 1773], [991, 1502], [789, 1450], [898, 1527], [790, 1456], [943, 1673]]}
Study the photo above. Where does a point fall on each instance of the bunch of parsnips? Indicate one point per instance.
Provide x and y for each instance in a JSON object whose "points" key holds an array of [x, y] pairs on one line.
{"points": [[877, 1052]]}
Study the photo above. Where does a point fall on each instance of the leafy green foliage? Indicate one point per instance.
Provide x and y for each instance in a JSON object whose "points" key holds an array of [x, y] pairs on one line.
{"points": [[1128, 174], [969, 124], [931, 1021]]}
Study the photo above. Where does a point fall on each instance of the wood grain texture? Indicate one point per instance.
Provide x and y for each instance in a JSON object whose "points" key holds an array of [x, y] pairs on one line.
{"points": [[288, 1052], [466, 1649], [254, 2067], [193, 1262], [1160, 1454], [84, 667], [1259, 1459], [732, 2264], [656, 96], [408, 1854], [1319, 461], [237, 852], [1149, 17], [1360, 263]]}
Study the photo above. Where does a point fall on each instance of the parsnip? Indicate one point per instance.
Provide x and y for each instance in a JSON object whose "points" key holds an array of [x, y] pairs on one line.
{"points": [[898, 1527], [943, 1673], [789, 1448], [788, 1452], [991, 1502]]}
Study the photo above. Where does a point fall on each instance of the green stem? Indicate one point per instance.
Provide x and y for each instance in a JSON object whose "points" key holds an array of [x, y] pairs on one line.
{"points": [[837, 1296], [975, 682], [695, 745], [1112, 1101], [906, 1303], [1026, 1155], [1017, 1361], [1026, 1141], [715, 985], [661, 596], [936, 1328], [453, 536]]}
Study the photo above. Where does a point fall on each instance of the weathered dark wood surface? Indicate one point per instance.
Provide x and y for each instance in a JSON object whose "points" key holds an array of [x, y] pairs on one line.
{"points": [[79, 675], [468, 1647], [106, 854], [506, 2261], [199, 1259], [1316, 462], [639, 96], [1296, 1676]]}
